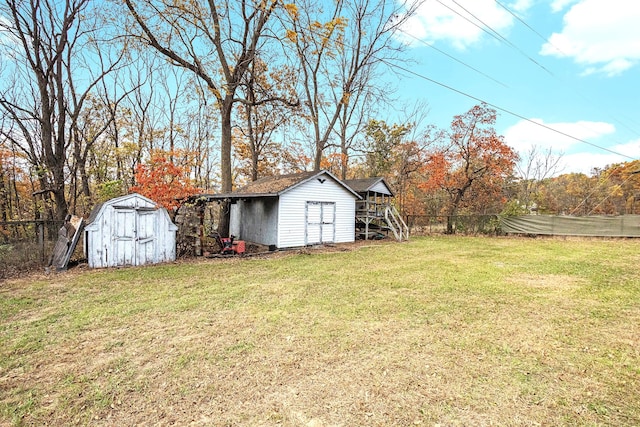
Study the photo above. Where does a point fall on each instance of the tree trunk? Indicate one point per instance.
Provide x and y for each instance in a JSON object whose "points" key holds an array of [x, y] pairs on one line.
{"points": [[225, 163], [318, 157], [453, 212], [4, 197]]}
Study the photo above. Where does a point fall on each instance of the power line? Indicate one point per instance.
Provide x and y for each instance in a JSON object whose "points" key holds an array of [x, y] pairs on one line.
{"points": [[526, 119], [468, 20], [605, 198], [543, 38], [421, 76], [453, 58], [475, 98], [494, 33]]}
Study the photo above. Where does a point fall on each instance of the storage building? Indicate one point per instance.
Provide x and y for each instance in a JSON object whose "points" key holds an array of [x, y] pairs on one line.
{"points": [[129, 230]]}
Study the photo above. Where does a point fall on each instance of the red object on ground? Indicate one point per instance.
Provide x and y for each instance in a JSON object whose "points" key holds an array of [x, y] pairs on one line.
{"points": [[239, 246]]}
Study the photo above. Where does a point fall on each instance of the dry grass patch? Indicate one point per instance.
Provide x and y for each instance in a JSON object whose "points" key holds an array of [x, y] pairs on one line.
{"points": [[439, 331]]}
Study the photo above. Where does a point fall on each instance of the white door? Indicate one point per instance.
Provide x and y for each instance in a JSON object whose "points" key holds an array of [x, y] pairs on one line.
{"points": [[320, 227], [125, 236], [328, 222], [145, 237], [135, 236]]}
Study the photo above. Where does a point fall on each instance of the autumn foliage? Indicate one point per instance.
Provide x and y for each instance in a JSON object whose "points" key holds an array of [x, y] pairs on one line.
{"points": [[164, 182], [471, 164]]}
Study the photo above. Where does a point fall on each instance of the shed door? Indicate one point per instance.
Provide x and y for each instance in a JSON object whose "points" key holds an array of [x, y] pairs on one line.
{"points": [[321, 219], [125, 226], [135, 236], [145, 237]]}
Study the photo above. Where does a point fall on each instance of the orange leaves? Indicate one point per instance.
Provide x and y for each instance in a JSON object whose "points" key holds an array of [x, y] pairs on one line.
{"points": [[292, 36], [292, 10], [473, 165], [434, 171], [162, 180], [333, 162]]}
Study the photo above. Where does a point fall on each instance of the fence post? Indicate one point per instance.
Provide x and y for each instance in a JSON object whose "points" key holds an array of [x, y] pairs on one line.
{"points": [[40, 234]]}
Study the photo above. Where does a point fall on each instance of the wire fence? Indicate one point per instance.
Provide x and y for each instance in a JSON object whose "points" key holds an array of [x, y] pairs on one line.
{"points": [[26, 245], [462, 224]]}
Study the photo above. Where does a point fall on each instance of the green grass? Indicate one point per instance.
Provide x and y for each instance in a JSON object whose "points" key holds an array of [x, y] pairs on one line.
{"points": [[440, 330]]}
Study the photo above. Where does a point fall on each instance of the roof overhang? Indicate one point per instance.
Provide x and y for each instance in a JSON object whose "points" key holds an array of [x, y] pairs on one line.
{"points": [[221, 197], [235, 196]]}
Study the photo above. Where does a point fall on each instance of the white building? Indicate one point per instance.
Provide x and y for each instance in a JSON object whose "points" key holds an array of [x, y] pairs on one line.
{"points": [[129, 230], [295, 210]]}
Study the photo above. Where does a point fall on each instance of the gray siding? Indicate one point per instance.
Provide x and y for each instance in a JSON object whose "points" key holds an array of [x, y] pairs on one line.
{"points": [[257, 220], [292, 215], [235, 219]]}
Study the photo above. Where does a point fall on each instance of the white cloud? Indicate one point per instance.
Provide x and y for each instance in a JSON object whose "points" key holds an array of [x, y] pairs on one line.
{"points": [[558, 136], [602, 35], [587, 162], [576, 156], [459, 24], [522, 5], [560, 5]]}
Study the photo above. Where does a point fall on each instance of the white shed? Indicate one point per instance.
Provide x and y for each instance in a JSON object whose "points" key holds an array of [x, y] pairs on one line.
{"points": [[295, 210], [129, 230]]}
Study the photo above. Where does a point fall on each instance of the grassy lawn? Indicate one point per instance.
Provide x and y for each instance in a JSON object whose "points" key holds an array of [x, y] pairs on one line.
{"points": [[438, 331]]}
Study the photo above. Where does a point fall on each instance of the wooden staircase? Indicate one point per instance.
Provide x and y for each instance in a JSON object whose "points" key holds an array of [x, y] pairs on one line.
{"points": [[377, 220], [396, 223], [375, 215]]}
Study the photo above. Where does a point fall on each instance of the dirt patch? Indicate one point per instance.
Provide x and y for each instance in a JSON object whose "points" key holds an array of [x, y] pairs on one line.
{"points": [[548, 281]]}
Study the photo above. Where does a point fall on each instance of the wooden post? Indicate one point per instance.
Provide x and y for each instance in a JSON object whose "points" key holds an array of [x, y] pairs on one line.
{"points": [[40, 239]]}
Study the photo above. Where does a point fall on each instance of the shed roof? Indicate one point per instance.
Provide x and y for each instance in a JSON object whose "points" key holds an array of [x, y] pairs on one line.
{"points": [[116, 202], [364, 185], [94, 213], [273, 186]]}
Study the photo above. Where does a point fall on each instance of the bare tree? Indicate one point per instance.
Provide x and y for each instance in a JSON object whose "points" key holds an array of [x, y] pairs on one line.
{"points": [[536, 166], [218, 43], [271, 105], [338, 58], [43, 98]]}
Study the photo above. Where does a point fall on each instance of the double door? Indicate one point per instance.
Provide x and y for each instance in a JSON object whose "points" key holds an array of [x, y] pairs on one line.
{"points": [[135, 236], [321, 223]]}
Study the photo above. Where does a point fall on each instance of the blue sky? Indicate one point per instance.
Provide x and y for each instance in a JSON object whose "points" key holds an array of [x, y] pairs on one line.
{"points": [[570, 65]]}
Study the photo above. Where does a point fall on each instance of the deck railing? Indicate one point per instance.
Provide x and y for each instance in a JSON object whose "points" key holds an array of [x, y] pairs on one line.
{"points": [[396, 224]]}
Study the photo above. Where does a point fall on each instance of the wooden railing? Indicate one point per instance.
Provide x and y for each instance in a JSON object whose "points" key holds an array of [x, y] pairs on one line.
{"points": [[396, 224]]}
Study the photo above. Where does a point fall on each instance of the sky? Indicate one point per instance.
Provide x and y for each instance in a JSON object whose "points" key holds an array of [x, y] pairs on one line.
{"points": [[564, 75]]}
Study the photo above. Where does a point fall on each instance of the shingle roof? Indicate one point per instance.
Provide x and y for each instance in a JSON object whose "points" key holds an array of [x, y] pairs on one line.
{"points": [[270, 186], [362, 185], [274, 184]]}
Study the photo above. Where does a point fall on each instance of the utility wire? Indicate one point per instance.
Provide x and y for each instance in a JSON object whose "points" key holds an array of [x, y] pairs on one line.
{"points": [[527, 120], [523, 22], [453, 58], [608, 178], [421, 76], [544, 39], [492, 32], [475, 98], [469, 20]]}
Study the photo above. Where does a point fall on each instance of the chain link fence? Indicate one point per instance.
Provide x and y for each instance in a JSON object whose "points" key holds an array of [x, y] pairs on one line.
{"points": [[26, 245], [462, 224]]}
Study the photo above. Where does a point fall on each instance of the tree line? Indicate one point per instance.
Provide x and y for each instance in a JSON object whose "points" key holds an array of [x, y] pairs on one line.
{"points": [[172, 98]]}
